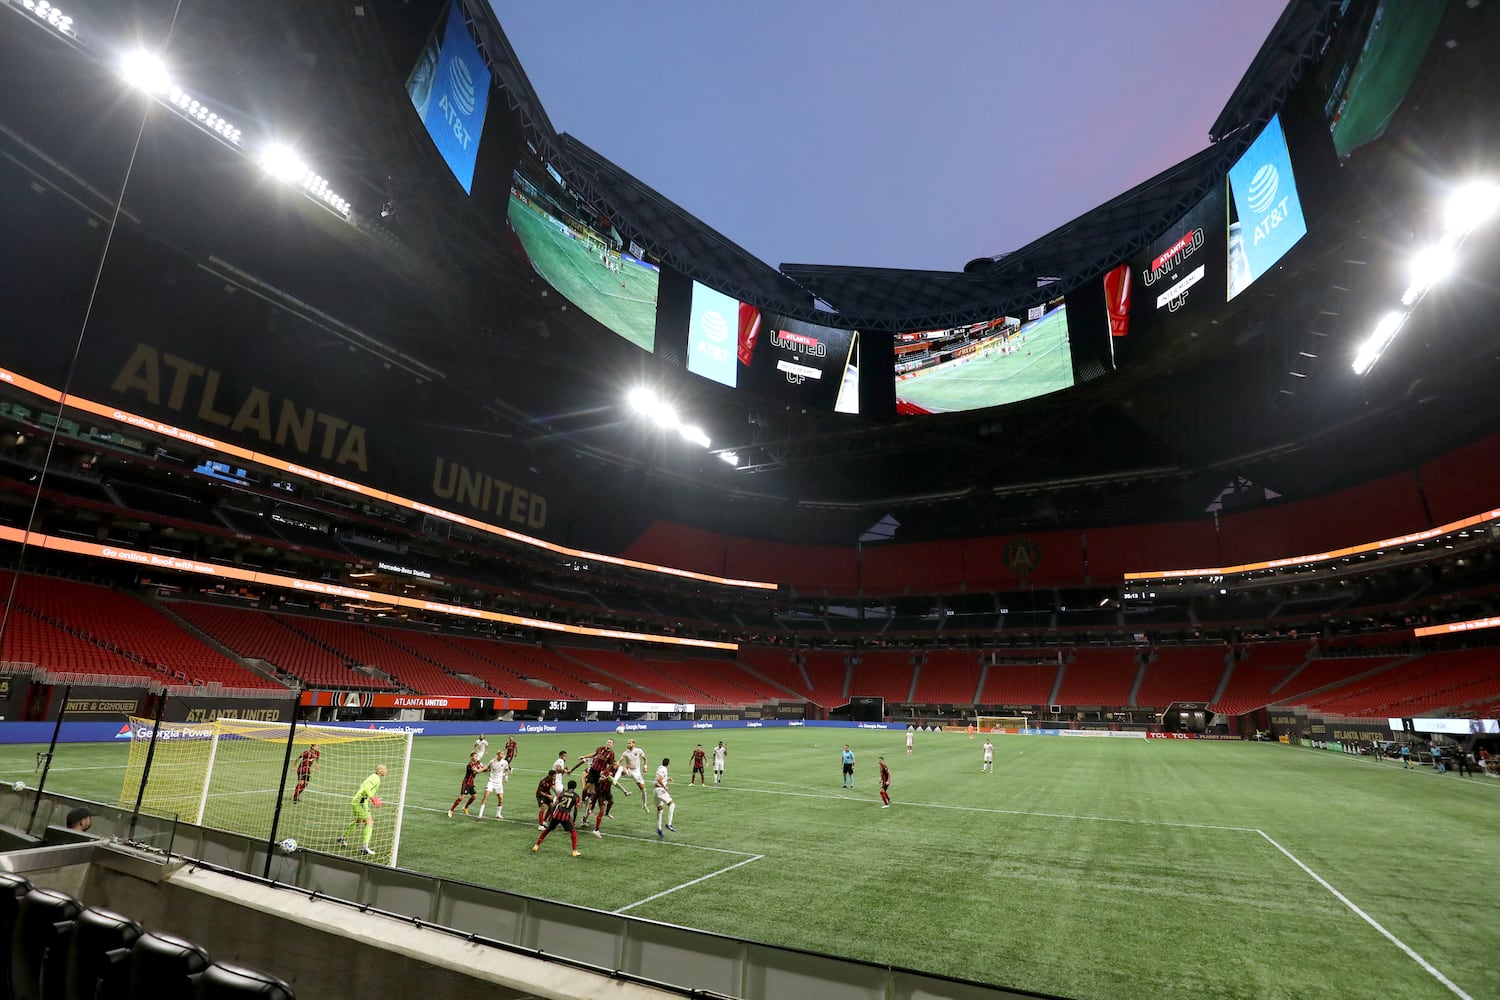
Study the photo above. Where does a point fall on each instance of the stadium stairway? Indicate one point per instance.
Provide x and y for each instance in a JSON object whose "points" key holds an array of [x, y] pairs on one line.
{"points": [[166, 611]]}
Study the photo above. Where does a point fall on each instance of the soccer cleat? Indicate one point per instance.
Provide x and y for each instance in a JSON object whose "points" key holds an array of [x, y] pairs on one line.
{"points": [[536, 847], [886, 806], [466, 810], [598, 834], [365, 850], [577, 854], [671, 827], [626, 791], [342, 842], [659, 833], [498, 816], [450, 813], [541, 826]]}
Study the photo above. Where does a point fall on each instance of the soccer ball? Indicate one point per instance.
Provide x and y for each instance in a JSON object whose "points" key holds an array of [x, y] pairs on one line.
{"points": [[19, 786], [288, 846]]}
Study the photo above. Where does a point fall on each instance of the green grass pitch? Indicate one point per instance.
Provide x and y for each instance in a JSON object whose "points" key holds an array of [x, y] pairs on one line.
{"points": [[1042, 365], [624, 301], [1086, 868]]}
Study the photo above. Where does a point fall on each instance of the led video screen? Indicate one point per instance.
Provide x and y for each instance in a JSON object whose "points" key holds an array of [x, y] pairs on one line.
{"points": [[1266, 217], [577, 251], [741, 346], [715, 331], [805, 363], [450, 88], [991, 363], [1370, 66]]}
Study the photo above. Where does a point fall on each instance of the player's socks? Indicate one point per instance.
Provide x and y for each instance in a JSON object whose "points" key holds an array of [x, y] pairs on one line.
{"points": [[481, 812], [369, 831], [671, 814], [574, 835]]}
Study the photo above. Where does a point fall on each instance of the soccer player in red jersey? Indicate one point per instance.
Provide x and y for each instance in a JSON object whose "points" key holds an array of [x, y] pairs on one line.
{"points": [[466, 787], [510, 750], [604, 801], [306, 761], [885, 784], [698, 756], [545, 793], [600, 762], [562, 814]]}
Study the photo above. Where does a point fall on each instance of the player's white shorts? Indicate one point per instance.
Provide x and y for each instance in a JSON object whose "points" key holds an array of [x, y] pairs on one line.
{"points": [[496, 785], [634, 776], [663, 797]]}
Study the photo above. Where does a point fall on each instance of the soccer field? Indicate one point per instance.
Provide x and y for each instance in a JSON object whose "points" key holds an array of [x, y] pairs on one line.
{"points": [[1043, 364], [624, 300], [1086, 868]]}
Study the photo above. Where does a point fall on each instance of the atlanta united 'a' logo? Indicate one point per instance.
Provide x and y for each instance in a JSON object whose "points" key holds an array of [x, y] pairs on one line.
{"points": [[1022, 556]]}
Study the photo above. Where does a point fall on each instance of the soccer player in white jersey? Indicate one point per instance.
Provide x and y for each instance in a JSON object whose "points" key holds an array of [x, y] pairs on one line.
{"points": [[632, 765], [481, 747], [499, 773], [720, 752], [989, 756], [911, 737], [664, 797]]}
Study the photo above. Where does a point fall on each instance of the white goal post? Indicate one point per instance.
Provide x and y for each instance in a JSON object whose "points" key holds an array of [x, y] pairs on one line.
{"points": [[1001, 723], [227, 775]]}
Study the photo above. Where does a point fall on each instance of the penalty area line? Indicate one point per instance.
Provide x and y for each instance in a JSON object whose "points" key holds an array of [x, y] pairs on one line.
{"points": [[692, 882], [1393, 939]]}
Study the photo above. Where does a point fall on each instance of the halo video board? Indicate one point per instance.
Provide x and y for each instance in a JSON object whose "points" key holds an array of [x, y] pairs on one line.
{"points": [[989, 363]]}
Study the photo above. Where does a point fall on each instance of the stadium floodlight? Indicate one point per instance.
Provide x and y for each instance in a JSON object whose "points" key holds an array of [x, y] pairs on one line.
{"points": [[1429, 267], [730, 458], [1470, 206], [49, 14], [283, 163], [694, 435], [665, 416], [145, 72], [1380, 338], [642, 400], [195, 109]]}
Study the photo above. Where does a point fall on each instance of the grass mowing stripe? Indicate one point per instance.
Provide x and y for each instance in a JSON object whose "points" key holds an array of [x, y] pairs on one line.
{"points": [[701, 878], [998, 812], [1369, 920]]}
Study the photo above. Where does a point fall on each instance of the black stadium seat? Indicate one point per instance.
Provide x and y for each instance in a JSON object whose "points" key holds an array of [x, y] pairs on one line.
{"points": [[13, 888], [223, 981], [39, 944], [164, 967], [98, 955]]}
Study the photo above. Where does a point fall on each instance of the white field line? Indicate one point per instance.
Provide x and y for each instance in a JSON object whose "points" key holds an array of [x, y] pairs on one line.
{"points": [[692, 882], [1370, 920]]}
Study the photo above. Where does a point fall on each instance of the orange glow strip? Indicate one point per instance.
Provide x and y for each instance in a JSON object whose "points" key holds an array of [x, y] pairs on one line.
{"points": [[153, 560], [261, 458], [1386, 543], [1472, 625]]}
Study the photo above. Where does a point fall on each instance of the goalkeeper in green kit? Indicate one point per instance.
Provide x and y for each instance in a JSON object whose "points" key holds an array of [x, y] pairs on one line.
{"points": [[363, 800]]}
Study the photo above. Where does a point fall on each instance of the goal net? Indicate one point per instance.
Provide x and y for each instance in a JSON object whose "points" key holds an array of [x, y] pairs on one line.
{"points": [[227, 775], [1001, 723]]}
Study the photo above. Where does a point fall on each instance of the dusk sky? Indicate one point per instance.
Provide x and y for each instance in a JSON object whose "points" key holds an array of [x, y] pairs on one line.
{"points": [[885, 133]]}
